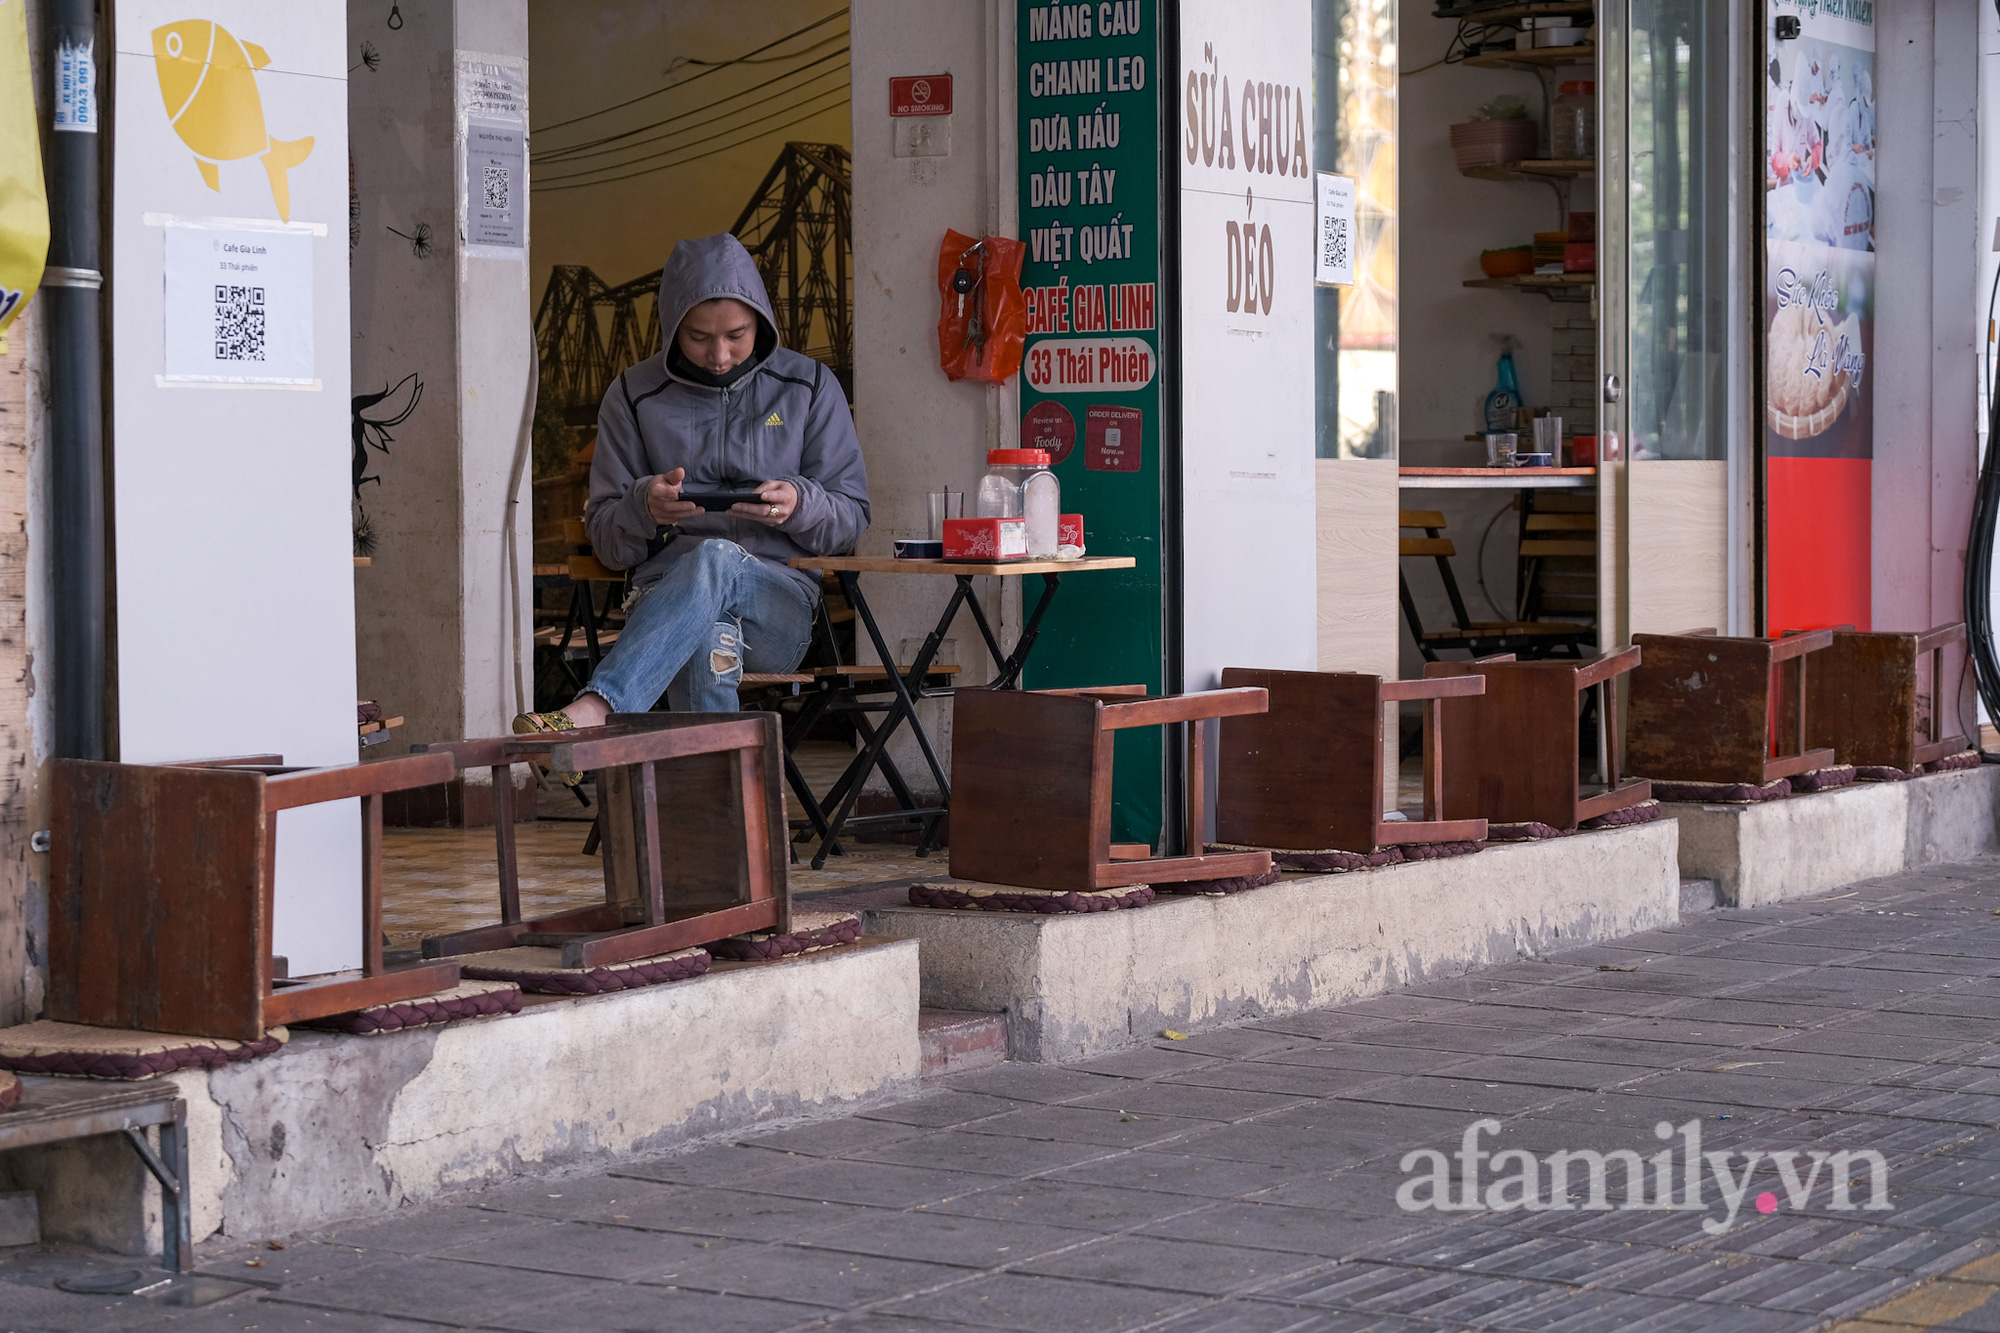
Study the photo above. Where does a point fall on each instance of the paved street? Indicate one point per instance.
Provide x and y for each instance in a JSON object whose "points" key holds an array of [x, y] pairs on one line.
{"points": [[1249, 1180]]}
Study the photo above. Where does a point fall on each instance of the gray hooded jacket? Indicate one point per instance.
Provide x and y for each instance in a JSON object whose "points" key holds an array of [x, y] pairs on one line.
{"points": [[786, 420]]}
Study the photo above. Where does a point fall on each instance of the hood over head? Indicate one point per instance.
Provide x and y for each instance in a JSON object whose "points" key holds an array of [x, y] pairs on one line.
{"points": [[704, 268]]}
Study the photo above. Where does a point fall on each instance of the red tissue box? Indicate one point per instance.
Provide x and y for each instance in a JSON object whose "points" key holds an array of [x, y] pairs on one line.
{"points": [[1580, 257], [985, 538], [1069, 530]]}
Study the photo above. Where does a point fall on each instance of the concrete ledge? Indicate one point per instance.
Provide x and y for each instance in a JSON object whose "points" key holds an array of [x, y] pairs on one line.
{"points": [[1805, 846], [336, 1127], [1073, 986]]}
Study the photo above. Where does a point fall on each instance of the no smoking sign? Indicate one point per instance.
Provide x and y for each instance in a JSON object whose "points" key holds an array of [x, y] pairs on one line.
{"points": [[920, 95]]}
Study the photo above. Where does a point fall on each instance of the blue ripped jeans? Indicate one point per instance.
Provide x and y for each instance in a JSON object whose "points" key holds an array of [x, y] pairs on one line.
{"points": [[715, 613]]}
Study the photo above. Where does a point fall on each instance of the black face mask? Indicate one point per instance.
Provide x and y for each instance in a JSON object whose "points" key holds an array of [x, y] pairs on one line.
{"points": [[678, 362]]}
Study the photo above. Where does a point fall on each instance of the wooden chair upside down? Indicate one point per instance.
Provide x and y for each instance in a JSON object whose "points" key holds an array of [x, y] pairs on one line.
{"points": [[691, 808], [1031, 777], [1866, 700], [1309, 774], [162, 880], [1516, 749], [1709, 708]]}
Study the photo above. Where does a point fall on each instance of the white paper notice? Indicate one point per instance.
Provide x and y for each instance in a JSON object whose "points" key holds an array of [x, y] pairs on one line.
{"points": [[239, 306], [496, 213], [1333, 248]]}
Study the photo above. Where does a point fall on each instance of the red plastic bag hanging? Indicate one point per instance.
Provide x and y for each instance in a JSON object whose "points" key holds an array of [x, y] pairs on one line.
{"points": [[983, 318]]}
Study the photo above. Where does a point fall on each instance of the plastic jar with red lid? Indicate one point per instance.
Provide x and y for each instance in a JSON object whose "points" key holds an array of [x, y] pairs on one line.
{"points": [[1573, 121]]}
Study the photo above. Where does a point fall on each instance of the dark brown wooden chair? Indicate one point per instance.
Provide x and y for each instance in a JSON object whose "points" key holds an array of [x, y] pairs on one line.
{"points": [[161, 887], [1031, 787], [1708, 708], [1867, 703], [692, 820], [1557, 572], [1309, 774], [1537, 638], [1516, 749]]}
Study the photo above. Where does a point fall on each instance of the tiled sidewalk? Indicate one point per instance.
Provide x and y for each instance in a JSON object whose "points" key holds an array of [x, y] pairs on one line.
{"points": [[1247, 1180]]}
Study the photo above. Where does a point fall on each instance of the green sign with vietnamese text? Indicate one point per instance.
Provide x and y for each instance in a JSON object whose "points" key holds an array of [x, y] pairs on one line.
{"points": [[1090, 385]]}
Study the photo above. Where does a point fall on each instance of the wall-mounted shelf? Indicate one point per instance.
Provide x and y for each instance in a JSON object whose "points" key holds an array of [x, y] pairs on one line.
{"points": [[1533, 9], [1531, 169], [1555, 286], [1536, 58]]}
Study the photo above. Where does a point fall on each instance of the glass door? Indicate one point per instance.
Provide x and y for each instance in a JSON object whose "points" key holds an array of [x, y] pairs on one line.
{"points": [[1673, 333]]}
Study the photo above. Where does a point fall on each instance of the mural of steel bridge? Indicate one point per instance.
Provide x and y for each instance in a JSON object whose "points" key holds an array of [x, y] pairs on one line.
{"points": [[796, 226]]}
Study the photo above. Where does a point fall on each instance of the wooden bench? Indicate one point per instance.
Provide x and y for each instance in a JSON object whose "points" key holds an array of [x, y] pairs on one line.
{"points": [[57, 1110]]}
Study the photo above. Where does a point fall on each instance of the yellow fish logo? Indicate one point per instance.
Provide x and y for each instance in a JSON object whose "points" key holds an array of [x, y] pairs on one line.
{"points": [[208, 80]]}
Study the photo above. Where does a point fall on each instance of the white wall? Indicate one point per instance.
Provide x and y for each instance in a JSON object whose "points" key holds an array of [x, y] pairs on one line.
{"points": [[920, 433], [1247, 375], [435, 644], [1929, 312], [234, 583]]}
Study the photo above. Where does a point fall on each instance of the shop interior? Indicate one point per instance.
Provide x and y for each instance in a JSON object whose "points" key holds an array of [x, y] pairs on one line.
{"points": [[1498, 311], [1501, 323], [749, 134]]}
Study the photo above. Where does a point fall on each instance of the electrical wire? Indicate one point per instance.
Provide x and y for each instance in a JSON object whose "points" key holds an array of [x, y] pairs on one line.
{"points": [[678, 61], [581, 149], [553, 183], [1461, 44], [841, 100], [1979, 562], [564, 156], [712, 69]]}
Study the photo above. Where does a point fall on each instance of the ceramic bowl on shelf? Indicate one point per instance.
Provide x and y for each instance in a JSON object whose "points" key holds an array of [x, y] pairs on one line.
{"points": [[1509, 263], [916, 548], [1534, 460]]}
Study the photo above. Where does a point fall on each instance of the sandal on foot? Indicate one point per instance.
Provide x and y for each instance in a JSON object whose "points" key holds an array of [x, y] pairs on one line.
{"points": [[545, 724]]}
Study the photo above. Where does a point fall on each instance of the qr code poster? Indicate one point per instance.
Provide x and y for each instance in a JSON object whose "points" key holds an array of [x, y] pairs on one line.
{"points": [[1333, 249], [496, 207], [239, 306]]}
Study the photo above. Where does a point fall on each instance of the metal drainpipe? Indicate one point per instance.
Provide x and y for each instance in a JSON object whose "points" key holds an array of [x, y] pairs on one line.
{"points": [[71, 300]]}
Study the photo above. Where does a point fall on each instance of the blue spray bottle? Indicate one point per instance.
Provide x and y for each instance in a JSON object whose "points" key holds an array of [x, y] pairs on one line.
{"points": [[1504, 403]]}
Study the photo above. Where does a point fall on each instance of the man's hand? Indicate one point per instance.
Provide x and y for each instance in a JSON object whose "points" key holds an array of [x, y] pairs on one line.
{"points": [[779, 500], [663, 498]]}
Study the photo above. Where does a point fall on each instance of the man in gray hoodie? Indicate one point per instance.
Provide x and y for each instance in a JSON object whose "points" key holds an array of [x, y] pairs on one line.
{"points": [[723, 408]]}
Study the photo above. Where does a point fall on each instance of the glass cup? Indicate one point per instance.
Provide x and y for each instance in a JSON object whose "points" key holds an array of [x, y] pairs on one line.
{"points": [[1500, 449], [944, 505], [1548, 437]]}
